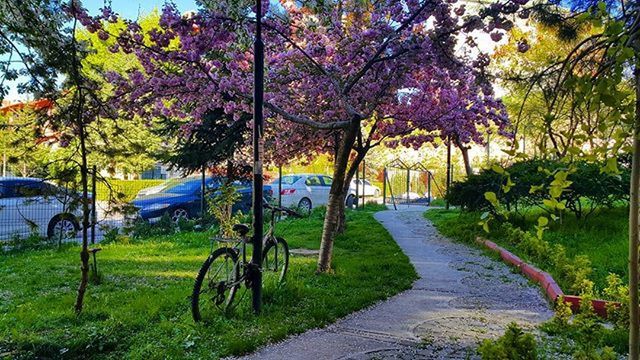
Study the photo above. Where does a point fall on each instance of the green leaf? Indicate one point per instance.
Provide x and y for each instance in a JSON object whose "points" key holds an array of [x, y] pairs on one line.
{"points": [[497, 168], [611, 167], [507, 187], [543, 221], [491, 197], [555, 192], [602, 6], [535, 188]]}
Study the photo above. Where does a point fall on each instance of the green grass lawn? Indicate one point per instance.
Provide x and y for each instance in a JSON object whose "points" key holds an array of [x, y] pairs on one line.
{"points": [[141, 308], [602, 237]]}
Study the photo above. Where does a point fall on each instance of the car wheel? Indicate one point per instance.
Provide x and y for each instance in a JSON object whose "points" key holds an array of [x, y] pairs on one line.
{"points": [[305, 205], [62, 226], [178, 214], [351, 200]]}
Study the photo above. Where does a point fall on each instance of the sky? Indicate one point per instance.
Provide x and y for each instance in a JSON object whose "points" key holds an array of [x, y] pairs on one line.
{"points": [[130, 9]]}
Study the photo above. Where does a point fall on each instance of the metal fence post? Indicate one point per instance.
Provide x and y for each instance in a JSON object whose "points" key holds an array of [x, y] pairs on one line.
{"points": [[448, 182], [94, 216], [408, 185], [280, 186], [384, 186], [429, 177], [357, 187], [203, 185], [364, 165]]}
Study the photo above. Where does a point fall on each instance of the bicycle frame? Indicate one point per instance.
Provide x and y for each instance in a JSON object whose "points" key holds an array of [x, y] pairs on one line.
{"points": [[241, 250]]}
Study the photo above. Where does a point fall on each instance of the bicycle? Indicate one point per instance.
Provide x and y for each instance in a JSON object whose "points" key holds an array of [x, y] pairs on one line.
{"points": [[227, 268]]}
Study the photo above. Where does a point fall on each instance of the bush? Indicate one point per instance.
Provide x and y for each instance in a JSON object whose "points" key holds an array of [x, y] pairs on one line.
{"points": [[572, 273], [590, 188], [515, 344]]}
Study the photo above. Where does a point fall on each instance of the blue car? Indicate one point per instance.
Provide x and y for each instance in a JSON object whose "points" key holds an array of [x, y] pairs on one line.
{"points": [[182, 198]]}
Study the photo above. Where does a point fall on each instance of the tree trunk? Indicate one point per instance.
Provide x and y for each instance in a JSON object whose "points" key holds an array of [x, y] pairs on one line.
{"points": [[342, 219], [634, 315], [465, 157], [84, 253], [335, 204], [342, 225]]}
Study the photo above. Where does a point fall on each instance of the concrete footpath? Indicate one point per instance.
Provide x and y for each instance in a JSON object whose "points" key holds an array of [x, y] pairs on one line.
{"points": [[461, 298]]}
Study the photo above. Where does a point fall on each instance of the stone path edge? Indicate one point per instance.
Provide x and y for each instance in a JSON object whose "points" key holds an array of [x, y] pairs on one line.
{"points": [[546, 281]]}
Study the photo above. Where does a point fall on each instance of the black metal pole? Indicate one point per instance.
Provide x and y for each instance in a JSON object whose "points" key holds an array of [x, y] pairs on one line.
{"points": [[280, 186], [408, 185], [448, 173], [429, 177], [203, 189], [364, 165], [384, 186], [357, 187], [258, 97], [94, 216]]}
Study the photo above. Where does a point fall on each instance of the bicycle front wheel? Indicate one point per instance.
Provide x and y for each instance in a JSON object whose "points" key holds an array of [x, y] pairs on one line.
{"points": [[216, 284], [275, 259]]}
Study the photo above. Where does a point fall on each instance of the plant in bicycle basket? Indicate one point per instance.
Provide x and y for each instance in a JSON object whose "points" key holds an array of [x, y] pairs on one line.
{"points": [[220, 207]]}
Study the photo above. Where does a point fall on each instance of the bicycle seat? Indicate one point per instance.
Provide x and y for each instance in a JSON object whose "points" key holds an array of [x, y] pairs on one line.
{"points": [[241, 229]]}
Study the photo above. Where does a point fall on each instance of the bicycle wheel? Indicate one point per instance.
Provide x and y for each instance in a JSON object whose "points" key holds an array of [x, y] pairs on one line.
{"points": [[275, 259], [216, 284]]}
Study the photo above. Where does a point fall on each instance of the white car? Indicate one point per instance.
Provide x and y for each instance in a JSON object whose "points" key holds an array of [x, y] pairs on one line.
{"points": [[29, 205], [306, 191], [365, 188]]}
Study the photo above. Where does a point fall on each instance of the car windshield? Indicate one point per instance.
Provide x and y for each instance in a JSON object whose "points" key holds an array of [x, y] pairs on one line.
{"points": [[184, 187], [187, 186], [287, 180]]}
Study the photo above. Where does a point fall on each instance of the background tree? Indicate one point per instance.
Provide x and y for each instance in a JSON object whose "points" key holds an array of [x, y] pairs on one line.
{"points": [[591, 75], [334, 78], [567, 120], [126, 146], [217, 141], [43, 36]]}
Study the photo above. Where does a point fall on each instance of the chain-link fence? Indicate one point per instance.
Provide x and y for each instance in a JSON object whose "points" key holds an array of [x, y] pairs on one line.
{"points": [[32, 207]]}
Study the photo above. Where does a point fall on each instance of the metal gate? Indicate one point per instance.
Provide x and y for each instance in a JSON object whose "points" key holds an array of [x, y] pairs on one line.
{"points": [[407, 184]]}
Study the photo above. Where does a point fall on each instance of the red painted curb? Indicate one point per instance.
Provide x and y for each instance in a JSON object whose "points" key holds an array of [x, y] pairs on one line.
{"points": [[510, 258], [546, 281]]}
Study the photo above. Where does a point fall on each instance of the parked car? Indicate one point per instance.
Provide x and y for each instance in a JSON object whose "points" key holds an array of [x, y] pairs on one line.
{"points": [[365, 188], [182, 198], [155, 189], [29, 205], [307, 191]]}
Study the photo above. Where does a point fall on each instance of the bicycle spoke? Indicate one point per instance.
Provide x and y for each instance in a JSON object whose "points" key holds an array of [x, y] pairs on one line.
{"points": [[216, 284]]}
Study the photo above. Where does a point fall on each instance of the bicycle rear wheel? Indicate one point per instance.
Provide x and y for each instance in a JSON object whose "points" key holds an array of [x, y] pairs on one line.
{"points": [[216, 284], [275, 259]]}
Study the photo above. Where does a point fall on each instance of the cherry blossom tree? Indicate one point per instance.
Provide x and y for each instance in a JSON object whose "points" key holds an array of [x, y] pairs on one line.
{"points": [[341, 77]]}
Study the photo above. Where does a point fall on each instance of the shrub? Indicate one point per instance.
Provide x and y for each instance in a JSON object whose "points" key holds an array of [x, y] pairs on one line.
{"points": [[142, 229], [571, 272], [220, 208], [590, 187], [515, 344]]}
